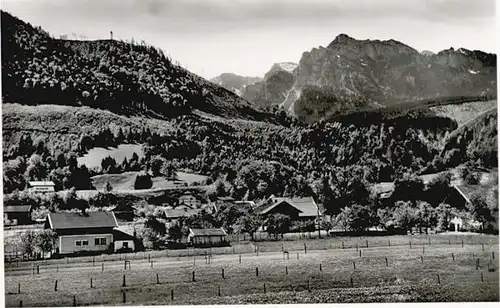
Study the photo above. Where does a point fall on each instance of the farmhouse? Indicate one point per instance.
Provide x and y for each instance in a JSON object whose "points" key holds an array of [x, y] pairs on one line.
{"points": [[297, 208], [17, 215], [81, 231], [207, 237], [41, 186], [123, 212], [189, 199]]}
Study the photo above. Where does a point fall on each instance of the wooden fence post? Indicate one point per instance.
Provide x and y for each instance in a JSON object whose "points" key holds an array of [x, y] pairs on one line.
{"points": [[354, 265], [102, 267], [93, 261], [124, 296], [297, 255], [308, 285], [74, 300], [320, 269], [360, 253], [240, 258], [386, 262], [55, 286], [124, 282], [37, 269], [389, 242], [439, 279], [342, 244], [152, 262], [352, 283], [193, 277], [422, 259], [222, 273], [305, 248], [91, 285], [482, 247], [493, 255], [21, 303], [171, 294], [462, 243], [286, 270], [157, 279], [356, 247], [264, 288], [125, 264], [453, 256], [18, 288], [423, 249], [218, 290], [410, 244], [256, 272], [366, 243]]}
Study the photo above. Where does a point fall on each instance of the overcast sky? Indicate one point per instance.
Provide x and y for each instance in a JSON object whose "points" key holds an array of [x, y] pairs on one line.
{"points": [[246, 37]]}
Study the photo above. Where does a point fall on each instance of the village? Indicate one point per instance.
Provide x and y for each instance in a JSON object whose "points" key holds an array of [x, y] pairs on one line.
{"points": [[187, 221]]}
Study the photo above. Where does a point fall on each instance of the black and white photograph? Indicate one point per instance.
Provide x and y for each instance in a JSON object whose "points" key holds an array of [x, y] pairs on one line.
{"points": [[249, 152]]}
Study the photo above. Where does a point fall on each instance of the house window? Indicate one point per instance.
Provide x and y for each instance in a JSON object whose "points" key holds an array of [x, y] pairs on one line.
{"points": [[99, 241], [125, 244], [85, 243], [78, 243]]}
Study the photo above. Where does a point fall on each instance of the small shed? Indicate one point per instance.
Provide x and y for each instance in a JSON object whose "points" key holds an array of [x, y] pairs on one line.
{"points": [[123, 241], [41, 186], [17, 215], [207, 237]]}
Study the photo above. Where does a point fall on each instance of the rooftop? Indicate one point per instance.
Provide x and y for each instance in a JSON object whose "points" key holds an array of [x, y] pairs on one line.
{"points": [[208, 232], [306, 206], [78, 220], [181, 212], [41, 183], [16, 208]]}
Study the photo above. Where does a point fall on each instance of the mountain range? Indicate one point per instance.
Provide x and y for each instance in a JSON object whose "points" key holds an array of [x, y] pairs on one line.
{"points": [[349, 74]]}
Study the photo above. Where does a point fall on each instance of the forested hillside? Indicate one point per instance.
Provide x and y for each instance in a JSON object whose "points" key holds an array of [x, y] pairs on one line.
{"points": [[62, 98], [127, 78]]}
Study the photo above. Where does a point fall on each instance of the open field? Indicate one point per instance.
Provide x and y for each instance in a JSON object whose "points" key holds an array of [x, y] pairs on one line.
{"points": [[94, 156], [125, 180], [444, 270]]}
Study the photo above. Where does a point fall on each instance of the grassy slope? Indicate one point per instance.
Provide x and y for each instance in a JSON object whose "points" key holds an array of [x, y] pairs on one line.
{"points": [[125, 181], [63, 125], [464, 112], [405, 278]]}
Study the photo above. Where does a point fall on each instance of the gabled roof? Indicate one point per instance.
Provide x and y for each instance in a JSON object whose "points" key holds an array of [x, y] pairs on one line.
{"points": [[306, 206], [183, 212], [226, 199], [119, 235], [207, 232], [41, 183], [17, 208], [78, 220]]}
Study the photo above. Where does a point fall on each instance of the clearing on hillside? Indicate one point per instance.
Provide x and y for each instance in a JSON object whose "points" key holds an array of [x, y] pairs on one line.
{"points": [[462, 113], [94, 156]]}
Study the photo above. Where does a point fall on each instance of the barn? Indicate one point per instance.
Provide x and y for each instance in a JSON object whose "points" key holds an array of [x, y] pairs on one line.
{"points": [[299, 209], [17, 215], [208, 237]]}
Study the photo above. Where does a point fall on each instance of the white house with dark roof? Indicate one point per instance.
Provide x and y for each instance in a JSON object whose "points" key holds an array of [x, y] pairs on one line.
{"points": [[77, 231]]}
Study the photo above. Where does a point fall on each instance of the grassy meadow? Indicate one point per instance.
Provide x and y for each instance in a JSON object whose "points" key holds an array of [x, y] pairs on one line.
{"points": [[444, 270]]}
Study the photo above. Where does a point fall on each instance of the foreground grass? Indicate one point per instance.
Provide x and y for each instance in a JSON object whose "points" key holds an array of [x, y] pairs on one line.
{"points": [[344, 276]]}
